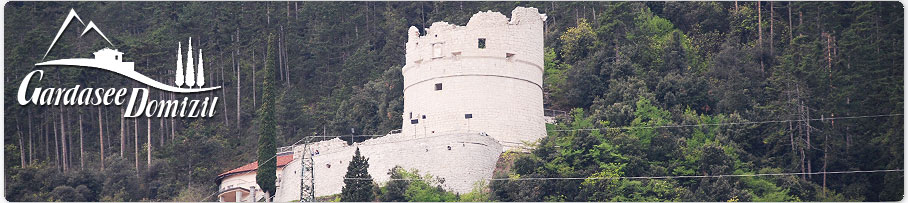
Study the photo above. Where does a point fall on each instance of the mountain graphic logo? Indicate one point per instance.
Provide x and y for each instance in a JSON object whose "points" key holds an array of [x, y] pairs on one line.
{"points": [[112, 60]]}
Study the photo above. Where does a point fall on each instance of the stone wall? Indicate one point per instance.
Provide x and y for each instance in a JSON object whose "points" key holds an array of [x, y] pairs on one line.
{"points": [[471, 158]]}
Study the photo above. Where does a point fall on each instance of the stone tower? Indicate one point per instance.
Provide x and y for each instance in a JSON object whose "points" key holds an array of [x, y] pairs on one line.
{"points": [[485, 77]]}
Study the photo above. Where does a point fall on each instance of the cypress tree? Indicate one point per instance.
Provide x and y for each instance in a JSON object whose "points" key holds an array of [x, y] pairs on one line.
{"points": [[266, 174], [357, 181]]}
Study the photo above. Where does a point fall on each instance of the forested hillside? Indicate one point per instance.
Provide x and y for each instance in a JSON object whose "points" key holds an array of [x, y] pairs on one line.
{"points": [[653, 89]]}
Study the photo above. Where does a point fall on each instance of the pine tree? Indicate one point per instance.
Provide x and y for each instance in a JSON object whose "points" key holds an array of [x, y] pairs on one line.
{"points": [[357, 182], [266, 175]]}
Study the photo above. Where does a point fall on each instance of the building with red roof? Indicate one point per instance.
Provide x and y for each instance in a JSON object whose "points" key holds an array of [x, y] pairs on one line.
{"points": [[238, 185]]}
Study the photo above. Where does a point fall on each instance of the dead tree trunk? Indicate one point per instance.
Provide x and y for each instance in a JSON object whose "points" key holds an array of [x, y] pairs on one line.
{"points": [[148, 126], [791, 107], [161, 121], [760, 34], [21, 146], [172, 126], [809, 127], [790, 31], [759, 24], [830, 41], [31, 152], [285, 57], [771, 33], [825, 159], [56, 147], [81, 146], [69, 151], [106, 143], [806, 128], [280, 61], [63, 142], [136, 134], [46, 141], [238, 81], [162, 132], [122, 135], [101, 136], [791, 140], [253, 79], [238, 108], [224, 93]]}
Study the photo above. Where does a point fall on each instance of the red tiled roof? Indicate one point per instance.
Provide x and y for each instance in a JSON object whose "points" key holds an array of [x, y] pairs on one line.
{"points": [[282, 160]]}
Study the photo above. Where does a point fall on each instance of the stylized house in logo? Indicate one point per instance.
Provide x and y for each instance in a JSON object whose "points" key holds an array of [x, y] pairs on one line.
{"points": [[112, 55], [112, 60], [109, 54]]}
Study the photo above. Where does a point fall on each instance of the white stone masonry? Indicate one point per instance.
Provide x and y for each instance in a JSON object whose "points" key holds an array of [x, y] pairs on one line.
{"points": [[485, 77]]}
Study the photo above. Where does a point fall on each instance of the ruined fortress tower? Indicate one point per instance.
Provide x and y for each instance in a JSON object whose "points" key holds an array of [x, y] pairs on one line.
{"points": [[485, 77], [470, 93]]}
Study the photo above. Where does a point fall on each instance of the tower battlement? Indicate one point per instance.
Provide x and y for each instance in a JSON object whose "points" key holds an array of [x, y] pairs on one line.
{"points": [[484, 77], [519, 37]]}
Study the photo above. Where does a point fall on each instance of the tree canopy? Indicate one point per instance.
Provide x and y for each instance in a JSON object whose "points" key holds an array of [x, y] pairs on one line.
{"points": [[809, 86]]}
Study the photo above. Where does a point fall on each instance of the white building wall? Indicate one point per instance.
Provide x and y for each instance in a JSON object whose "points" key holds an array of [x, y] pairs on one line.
{"points": [[247, 181], [500, 85], [289, 187]]}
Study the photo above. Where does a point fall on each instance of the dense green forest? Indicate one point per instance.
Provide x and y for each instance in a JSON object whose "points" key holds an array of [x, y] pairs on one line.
{"points": [[778, 71]]}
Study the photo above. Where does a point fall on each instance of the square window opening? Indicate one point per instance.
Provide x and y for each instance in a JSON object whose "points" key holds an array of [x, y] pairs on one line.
{"points": [[482, 43], [437, 86], [436, 50], [468, 116]]}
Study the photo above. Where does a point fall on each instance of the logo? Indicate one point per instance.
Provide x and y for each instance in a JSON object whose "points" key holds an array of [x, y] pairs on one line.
{"points": [[109, 59]]}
